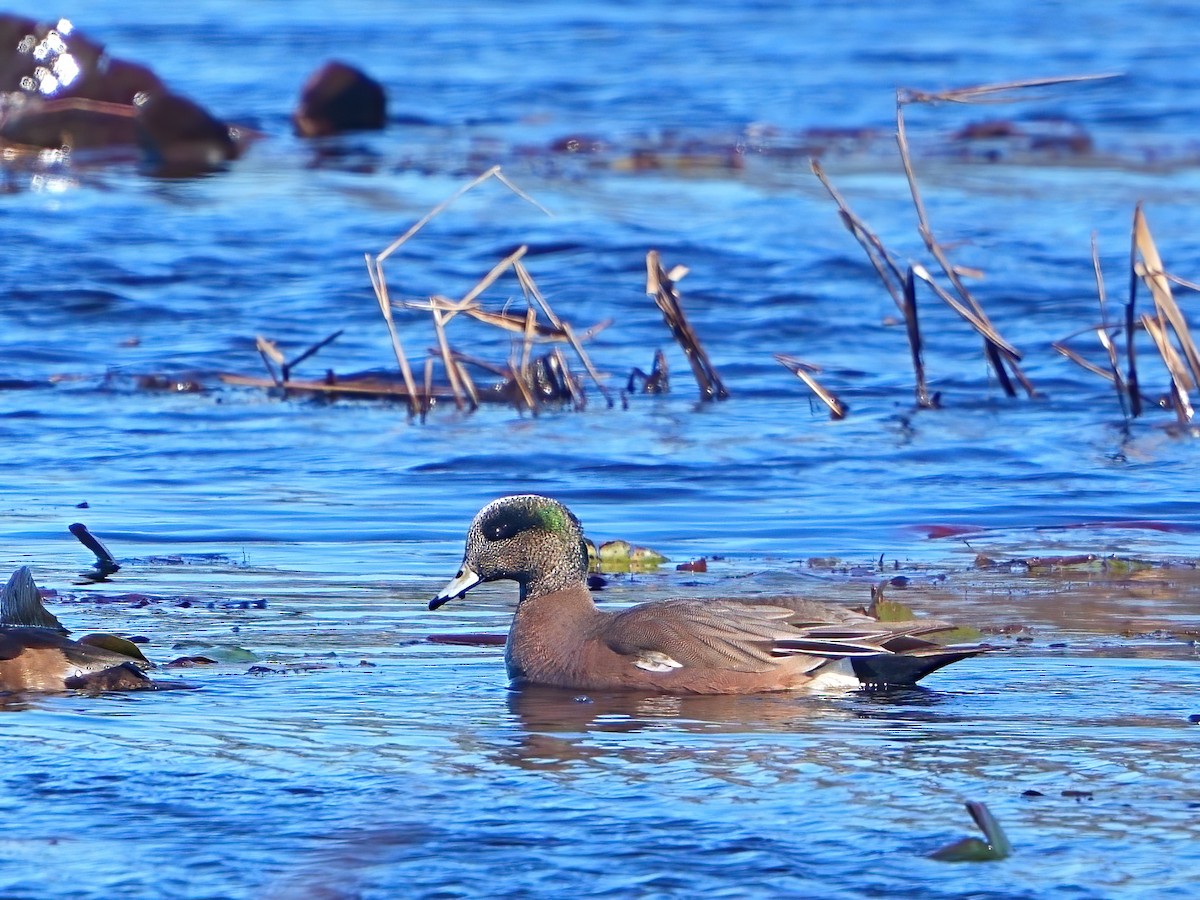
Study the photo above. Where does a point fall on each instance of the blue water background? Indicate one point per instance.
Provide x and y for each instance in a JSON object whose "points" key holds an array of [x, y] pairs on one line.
{"points": [[418, 774]]}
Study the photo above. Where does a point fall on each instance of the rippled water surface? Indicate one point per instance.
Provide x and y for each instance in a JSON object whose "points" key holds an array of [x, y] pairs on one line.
{"points": [[304, 537]]}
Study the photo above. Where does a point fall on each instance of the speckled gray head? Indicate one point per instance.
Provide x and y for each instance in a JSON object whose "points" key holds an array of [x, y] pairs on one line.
{"points": [[532, 540]]}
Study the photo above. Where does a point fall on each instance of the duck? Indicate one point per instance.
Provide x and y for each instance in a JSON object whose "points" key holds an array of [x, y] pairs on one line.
{"points": [[560, 638], [37, 656]]}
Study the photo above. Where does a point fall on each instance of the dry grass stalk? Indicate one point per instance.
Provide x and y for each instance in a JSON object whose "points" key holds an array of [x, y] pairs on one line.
{"points": [[913, 330], [1183, 364], [801, 369], [1131, 374], [986, 93], [661, 286], [270, 354], [1154, 274], [1110, 348], [885, 265], [439, 328], [578, 400], [1180, 382], [379, 280], [998, 355], [465, 379], [531, 290], [379, 284], [982, 325], [898, 282]]}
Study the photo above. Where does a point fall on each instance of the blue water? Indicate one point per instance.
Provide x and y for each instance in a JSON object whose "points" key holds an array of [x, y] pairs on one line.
{"points": [[418, 774]]}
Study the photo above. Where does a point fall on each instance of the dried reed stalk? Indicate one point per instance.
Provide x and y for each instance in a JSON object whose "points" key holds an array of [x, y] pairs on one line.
{"points": [[998, 355], [801, 369], [898, 282], [531, 290], [270, 354], [1180, 383], [379, 280], [324, 342], [578, 400], [379, 284], [1184, 369], [444, 347], [1102, 332], [985, 93], [1131, 375], [1156, 279], [913, 330], [661, 286], [885, 265]]}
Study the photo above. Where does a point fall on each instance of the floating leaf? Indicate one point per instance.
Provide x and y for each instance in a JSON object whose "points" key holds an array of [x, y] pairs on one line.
{"points": [[115, 644], [622, 556], [994, 846]]}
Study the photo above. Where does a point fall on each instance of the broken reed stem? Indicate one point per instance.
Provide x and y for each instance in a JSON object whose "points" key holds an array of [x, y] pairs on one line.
{"points": [[379, 284], [527, 341], [660, 285], [980, 325], [269, 353], [1131, 377], [1154, 275], [1167, 318], [974, 93], [992, 349], [467, 382], [898, 283], [577, 398], [884, 263], [799, 368], [464, 304], [1175, 367], [529, 286], [447, 361], [379, 280], [1114, 374], [913, 330], [287, 367]]}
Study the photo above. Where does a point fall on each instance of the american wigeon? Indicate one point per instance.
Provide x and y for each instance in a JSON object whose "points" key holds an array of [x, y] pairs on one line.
{"points": [[688, 646], [37, 655]]}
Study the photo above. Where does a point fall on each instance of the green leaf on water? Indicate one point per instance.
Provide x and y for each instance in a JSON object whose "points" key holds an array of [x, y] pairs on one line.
{"points": [[115, 644], [622, 556], [995, 846]]}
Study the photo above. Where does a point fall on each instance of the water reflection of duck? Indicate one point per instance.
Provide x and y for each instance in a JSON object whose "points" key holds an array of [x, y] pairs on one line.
{"points": [[37, 655], [688, 646]]}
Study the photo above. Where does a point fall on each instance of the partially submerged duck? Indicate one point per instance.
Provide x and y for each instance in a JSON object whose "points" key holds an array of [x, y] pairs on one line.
{"points": [[686, 646], [37, 655]]}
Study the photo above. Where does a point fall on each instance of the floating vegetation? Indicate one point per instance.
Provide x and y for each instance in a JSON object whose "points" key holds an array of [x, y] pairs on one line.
{"points": [[995, 844], [622, 556]]}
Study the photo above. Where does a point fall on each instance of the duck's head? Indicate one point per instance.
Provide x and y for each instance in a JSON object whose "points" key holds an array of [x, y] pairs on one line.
{"points": [[532, 540]]}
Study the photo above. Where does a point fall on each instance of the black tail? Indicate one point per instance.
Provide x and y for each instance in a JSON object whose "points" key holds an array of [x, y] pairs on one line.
{"points": [[907, 668]]}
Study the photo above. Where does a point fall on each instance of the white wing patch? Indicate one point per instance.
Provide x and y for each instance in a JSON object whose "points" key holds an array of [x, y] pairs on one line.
{"points": [[656, 661]]}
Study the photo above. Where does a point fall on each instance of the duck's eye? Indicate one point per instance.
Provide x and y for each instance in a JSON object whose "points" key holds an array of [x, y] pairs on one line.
{"points": [[499, 531]]}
